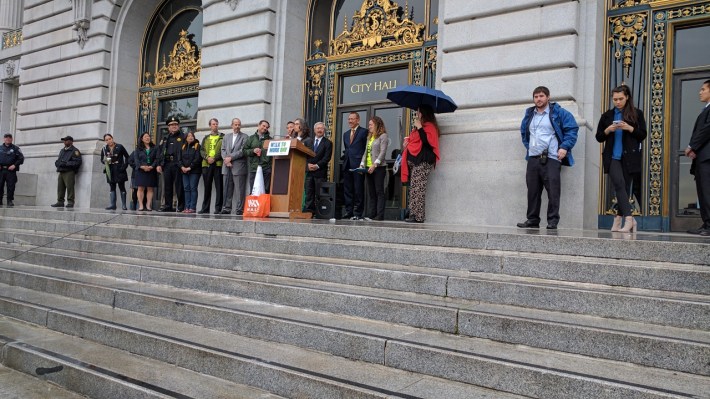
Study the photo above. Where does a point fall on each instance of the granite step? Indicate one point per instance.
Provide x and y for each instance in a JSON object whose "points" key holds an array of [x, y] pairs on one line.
{"points": [[642, 343], [132, 339], [646, 246], [17, 385], [533, 373], [659, 307], [625, 273]]}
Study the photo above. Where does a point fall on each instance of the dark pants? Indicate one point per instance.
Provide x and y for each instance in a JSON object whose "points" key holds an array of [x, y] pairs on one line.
{"points": [[65, 184], [702, 185], [172, 183], [620, 180], [212, 173], [121, 186], [312, 186], [353, 192], [9, 178], [538, 177], [376, 193], [267, 180]]}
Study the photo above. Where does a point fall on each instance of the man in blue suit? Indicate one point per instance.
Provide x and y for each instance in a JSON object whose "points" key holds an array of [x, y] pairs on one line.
{"points": [[354, 142]]}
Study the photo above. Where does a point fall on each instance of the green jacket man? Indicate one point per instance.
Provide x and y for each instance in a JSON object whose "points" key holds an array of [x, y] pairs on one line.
{"points": [[256, 157]]}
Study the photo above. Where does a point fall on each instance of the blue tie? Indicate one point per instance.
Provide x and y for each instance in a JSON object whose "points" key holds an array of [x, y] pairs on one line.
{"points": [[315, 147]]}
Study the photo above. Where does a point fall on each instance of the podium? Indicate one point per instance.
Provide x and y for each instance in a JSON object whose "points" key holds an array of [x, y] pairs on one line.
{"points": [[288, 175]]}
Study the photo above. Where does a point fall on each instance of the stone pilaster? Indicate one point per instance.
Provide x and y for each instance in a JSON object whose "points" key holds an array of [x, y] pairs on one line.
{"points": [[10, 15]]}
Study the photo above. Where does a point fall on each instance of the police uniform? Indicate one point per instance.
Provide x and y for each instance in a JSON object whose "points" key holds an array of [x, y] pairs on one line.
{"points": [[9, 155], [68, 163], [170, 147]]}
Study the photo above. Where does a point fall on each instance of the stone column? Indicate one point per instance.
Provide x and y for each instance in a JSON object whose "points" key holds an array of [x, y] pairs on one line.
{"points": [[10, 15]]}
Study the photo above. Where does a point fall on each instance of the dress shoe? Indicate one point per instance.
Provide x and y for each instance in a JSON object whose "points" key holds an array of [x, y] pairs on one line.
{"points": [[697, 231], [413, 220], [225, 212], [705, 233], [166, 209], [10, 204], [528, 225], [58, 205], [203, 211], [239, 213], [551, 227], [69, 206]]}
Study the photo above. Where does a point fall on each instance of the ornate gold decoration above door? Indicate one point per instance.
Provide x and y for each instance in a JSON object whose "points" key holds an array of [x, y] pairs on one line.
{"points": [[185, 62], [377, 25]]}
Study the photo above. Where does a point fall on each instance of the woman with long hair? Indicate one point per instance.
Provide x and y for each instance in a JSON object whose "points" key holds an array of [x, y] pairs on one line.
{"points": [[115, 158], [419, 157], [191, 168], [146, 176], [374, 161], [622, 129], [302, 132]]}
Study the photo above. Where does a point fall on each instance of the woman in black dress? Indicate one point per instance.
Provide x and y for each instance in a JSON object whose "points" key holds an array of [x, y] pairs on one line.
{"points": [[622, 129], [115, 159], [146, 176]]}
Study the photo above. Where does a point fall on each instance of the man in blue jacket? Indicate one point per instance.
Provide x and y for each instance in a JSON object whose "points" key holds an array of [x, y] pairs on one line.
{"points": [[548, 132]]}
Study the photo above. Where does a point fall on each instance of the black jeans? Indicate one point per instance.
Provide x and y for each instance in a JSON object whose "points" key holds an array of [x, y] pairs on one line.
{"points": [[538, 177], [267, 180], [620, 180], [212, 173], [376, 193]]}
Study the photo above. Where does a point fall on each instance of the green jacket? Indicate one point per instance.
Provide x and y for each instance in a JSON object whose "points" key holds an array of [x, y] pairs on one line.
{"points": [[204, 150], [254, 142]]}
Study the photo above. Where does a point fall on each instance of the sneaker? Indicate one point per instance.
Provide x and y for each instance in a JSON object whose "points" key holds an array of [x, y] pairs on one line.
{"points": [[354, 218], [368, 219]]}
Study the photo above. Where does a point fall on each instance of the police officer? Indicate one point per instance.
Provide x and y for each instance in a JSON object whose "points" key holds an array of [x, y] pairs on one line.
{"points": [[169, 166], [10, 160], [68, 163]]}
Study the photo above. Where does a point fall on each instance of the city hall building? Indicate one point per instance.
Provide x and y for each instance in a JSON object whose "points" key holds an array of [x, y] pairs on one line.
{"points": [[87, 67]]}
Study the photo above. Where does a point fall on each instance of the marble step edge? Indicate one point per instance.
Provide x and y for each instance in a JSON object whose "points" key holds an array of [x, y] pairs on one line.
{"points": [[16, 384], [414, 308], [297, 373], [556, 378], [690, 281], [598, 337], [104, 252], [646, 249]]}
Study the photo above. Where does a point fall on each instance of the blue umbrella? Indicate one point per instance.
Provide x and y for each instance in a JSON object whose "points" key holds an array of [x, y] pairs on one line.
{"points": [[412, 96]]}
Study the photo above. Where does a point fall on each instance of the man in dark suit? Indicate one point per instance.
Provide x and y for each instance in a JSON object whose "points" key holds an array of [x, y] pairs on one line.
{"points": [[699, 151], [317, 167], [354, 143]]}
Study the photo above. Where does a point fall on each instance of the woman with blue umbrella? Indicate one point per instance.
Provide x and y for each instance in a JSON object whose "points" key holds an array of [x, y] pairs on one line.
{"points": [[419, 157], [420, 150]]}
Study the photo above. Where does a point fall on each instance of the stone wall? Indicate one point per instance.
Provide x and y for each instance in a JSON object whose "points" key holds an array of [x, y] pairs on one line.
{"points": [[492, 54]]}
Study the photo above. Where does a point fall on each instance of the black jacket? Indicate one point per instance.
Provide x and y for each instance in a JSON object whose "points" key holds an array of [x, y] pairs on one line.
{"points": [[190, 158], [69, 160], [11, 155], [119, 163], [631, 156], [143, 159], [170, 147], [322, 157]]}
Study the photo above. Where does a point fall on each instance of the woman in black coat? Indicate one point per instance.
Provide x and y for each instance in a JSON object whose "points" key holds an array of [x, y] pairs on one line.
{"points": [[191, 170], [146, 159], [622, 129], [115, 159]]}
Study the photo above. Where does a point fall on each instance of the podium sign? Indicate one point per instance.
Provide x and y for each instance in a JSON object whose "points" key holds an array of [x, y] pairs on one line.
{"points": [[278, 148], [288, 175]]}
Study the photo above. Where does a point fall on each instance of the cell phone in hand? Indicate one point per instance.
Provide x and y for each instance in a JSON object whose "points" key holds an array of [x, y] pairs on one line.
{"points": [[617, 122]]}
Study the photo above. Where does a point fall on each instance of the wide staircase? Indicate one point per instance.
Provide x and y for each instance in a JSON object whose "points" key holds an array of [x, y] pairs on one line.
{"points": [[126, 305]]}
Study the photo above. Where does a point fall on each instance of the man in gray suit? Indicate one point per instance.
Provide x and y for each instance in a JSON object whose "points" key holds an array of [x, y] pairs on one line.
{"points": [[234, 167], [699, 151]]}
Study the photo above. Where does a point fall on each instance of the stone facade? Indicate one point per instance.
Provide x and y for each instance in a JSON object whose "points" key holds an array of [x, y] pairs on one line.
{"points": [[81, 78]]}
